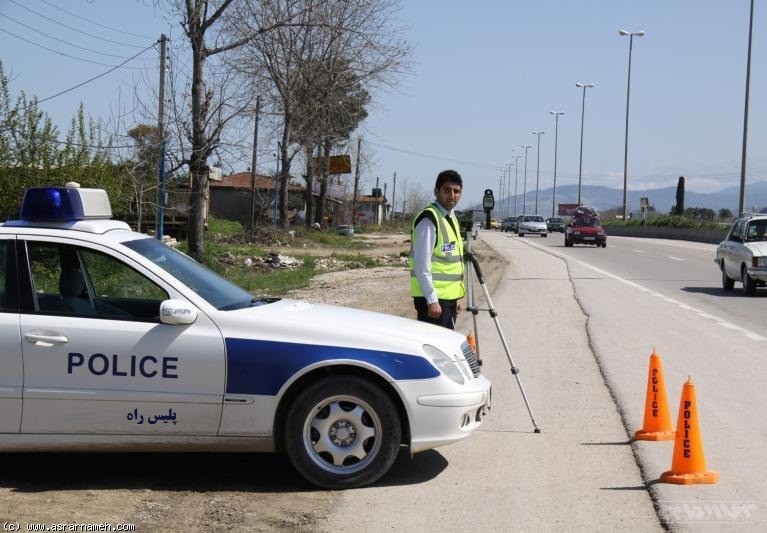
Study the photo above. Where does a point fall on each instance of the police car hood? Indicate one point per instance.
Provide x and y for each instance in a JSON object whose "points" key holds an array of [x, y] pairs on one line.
{"points": [[302, 322]]}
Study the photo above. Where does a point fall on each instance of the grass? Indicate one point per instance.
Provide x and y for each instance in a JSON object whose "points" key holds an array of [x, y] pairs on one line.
{"points": [[224, 237]]}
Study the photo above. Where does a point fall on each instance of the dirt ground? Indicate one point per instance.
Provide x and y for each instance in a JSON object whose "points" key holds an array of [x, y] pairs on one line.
{"points": [[203, 492]]}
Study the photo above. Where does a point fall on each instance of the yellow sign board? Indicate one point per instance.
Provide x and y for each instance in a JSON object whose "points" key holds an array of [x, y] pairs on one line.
{"points": [[338, 164]]}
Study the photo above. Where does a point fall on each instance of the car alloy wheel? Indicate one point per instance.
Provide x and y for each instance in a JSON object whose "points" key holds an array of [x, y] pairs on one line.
{"points": [[342, 432]]}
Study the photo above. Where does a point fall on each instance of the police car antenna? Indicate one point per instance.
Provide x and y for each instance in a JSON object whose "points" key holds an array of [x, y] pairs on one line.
{"points": [[471, 260]]}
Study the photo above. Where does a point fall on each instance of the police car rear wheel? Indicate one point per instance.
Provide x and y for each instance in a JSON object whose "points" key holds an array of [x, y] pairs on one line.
{"points": [[342, 432]]}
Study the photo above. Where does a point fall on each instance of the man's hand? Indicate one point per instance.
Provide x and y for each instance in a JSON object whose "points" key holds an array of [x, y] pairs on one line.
{"points": [[434, 310]]}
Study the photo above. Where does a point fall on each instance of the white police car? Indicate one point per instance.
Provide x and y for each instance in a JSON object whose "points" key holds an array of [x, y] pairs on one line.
{"points": [[110, 340]]}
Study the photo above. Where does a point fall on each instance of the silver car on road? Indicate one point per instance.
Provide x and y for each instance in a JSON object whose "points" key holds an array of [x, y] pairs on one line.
{"points": [[533, 224], [742, 256]]}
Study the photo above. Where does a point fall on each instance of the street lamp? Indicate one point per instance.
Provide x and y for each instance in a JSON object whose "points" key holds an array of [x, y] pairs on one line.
{"points": [[583, 111], [524, 192], [742, 195], [538, 168], [556, 138], [516, 176], [508, 190], [631, 36]]}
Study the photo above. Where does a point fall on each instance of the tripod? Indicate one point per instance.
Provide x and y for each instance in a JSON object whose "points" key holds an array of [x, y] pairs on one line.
{"points": [[469, 257]]}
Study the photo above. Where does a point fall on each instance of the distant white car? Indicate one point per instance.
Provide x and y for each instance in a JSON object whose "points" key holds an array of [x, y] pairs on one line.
{"points": [[742, 255], [535, 224]]}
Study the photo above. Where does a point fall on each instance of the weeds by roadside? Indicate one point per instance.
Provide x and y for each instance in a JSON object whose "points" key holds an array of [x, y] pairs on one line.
{"points": [[253, 260]]}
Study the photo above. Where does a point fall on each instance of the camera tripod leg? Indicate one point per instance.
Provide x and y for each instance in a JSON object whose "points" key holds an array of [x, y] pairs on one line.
{"points": [[471, 258]]}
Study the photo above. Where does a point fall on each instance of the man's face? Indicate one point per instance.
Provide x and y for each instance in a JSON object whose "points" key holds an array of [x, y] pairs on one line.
{"points": [[448, 195]]}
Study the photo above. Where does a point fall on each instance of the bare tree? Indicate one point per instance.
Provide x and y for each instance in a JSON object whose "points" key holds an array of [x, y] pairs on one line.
{"points": [[210, 107], [325, 38]]}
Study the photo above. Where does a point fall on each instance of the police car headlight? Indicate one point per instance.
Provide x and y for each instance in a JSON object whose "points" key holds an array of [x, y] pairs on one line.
{"points": [[444, 363]]}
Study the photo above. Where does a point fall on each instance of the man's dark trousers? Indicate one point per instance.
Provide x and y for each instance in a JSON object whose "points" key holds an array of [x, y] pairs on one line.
{"points": [[449, 312]]}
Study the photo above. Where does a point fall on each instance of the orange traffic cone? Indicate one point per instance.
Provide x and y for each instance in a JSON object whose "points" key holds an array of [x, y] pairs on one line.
{"points": [[657, 420], [688, 466]]}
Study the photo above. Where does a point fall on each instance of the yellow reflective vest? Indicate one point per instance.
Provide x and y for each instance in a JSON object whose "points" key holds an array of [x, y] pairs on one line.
{"points": [[446, 257]]}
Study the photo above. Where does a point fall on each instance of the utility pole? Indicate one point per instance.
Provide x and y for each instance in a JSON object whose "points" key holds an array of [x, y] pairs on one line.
{"points": [[161, 134], [356, 182], [384, 195], [252, 226], [394, 196]]}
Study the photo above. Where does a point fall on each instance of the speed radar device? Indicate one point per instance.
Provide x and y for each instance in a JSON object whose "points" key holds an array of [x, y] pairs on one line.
{"points": [[488, 203]]}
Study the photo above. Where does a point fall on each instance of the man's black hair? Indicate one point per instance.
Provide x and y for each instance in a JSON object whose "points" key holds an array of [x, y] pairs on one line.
{"points": [[448, 176]]}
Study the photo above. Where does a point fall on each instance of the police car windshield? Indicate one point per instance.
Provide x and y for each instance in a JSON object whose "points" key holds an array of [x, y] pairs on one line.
{"points": [[217, 291]]}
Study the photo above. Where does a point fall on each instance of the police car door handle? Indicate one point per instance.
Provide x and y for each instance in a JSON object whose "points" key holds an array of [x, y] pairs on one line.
{"points": [[45, 338]]}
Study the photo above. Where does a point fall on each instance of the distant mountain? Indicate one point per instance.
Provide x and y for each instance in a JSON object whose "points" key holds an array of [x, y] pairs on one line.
{"points": [[663, 199]]}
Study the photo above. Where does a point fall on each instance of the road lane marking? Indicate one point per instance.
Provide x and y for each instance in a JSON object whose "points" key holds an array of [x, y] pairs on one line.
{"points": [[724, 323], [675, 258]]}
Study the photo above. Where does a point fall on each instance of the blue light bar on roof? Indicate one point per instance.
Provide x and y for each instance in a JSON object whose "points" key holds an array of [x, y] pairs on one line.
{"points": [[64, 204]]}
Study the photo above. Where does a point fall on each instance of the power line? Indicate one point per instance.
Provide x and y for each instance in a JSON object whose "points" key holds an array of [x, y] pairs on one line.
{"points": [[94, 22], [59, 40], [69, 55], [86, 81], [429, 156], [71, 28]]}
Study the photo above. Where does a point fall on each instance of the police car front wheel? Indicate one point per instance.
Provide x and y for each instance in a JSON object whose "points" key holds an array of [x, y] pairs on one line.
{"points": [[342, 432]]}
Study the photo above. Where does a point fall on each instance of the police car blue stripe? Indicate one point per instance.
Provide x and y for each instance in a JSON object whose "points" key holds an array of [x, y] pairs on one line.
{"points": [[263, 367]]}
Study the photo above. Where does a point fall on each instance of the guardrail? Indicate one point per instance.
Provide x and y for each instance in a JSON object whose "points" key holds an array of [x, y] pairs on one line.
{"points": [[709, 235]]}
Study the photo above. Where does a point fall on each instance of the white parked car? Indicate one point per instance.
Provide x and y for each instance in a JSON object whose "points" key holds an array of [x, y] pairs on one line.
{"points": [[110, 340], [534, 224], [742, 256]]}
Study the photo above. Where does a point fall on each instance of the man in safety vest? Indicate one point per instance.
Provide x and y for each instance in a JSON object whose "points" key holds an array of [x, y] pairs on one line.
{"points": [[436, 255]]}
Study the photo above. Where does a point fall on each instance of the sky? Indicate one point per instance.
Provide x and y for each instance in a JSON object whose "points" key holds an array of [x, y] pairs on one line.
{"points": [[485, 74]]}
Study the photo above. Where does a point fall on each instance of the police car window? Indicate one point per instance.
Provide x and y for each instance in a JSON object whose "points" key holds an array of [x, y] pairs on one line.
{"points": [[77, 281], [219, 292], [113, 279], [45, 268]]}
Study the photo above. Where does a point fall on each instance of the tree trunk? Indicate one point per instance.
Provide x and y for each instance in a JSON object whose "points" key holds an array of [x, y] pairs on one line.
{"points": [[308, 194], [324, 181], [198, 167], [285, 173]]}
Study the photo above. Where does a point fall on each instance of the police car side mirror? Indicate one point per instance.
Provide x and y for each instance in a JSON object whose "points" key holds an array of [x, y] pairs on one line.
{"points": [[177, 312]]}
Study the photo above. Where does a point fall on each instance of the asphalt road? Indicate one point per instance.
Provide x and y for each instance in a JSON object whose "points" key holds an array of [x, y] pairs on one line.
{"points": [[645, 293]]}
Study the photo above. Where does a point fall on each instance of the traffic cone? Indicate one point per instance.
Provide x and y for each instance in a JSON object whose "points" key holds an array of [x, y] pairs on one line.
{"points": [[657, 420], [688, 466]]}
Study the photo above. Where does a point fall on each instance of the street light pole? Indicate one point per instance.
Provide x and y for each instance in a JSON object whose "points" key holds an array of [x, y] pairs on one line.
{"points": [[538, 168], [556, 139], [631, 36], [499, 213], [516, 176], [583, 112], [508, 190], [524, 192], [742, 196]]}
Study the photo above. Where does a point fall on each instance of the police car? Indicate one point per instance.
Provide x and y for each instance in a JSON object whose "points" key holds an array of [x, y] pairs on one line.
{"points": [[110, 340]]}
